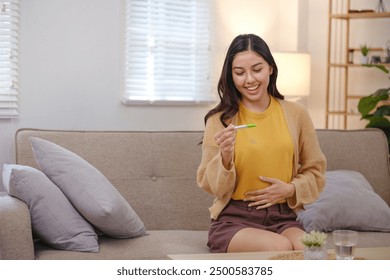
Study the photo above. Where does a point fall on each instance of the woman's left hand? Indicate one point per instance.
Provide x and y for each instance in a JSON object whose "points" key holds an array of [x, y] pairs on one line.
{"points": [[270, 195]]}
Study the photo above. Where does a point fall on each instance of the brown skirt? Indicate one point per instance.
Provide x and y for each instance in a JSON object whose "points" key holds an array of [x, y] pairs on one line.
{"points": [[237, 215]]}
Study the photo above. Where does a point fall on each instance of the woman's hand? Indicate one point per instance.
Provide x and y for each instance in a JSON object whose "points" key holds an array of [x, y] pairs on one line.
{"points": [[270, 195], [226, 139]]}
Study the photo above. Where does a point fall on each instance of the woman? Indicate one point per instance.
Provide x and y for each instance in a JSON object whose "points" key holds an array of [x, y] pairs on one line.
{"points": [[260, 176]]}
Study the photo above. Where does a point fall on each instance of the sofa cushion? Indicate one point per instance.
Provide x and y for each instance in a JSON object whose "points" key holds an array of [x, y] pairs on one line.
{"points": [[157, 245], [53, 218], [88, 190], [348, 201]]}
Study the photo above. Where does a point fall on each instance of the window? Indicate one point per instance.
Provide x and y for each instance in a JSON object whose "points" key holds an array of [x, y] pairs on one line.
{"points": [[167, 49], [9, 19]]}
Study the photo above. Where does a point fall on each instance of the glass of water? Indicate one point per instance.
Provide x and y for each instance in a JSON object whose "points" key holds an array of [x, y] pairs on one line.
{"points": [[345, 242]]}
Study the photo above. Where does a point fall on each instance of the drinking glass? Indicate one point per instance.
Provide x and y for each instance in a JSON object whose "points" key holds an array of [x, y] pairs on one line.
{"points": [[345, 242]]}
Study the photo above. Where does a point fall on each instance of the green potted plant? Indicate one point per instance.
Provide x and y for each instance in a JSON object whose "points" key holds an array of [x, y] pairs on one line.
{"points": [[315, 248], [364, 50], [375, 108]]}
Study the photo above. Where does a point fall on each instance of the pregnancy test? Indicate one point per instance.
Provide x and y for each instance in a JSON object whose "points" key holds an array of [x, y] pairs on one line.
{"points": [[245, 126]]}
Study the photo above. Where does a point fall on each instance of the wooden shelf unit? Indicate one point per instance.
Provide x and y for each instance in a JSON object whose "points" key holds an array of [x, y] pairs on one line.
{"points": [[339, 61], [362, 15]]}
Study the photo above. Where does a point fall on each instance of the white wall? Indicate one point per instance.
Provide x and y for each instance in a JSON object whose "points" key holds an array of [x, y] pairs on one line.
{"points": [[70, 63], [317, 40], [70, 70]]}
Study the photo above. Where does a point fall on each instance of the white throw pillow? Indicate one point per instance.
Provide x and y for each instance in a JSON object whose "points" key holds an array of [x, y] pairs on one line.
{"points": [[88, 190], [53, 218], [348, 201]]}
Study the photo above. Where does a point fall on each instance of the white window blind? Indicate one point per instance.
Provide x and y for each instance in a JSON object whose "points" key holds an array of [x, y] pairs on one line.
{"points": [[167, 49], [9, 20]]}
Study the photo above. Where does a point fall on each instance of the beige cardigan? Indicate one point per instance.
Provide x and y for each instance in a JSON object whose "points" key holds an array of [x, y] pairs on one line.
{"points": [[309, 162]]}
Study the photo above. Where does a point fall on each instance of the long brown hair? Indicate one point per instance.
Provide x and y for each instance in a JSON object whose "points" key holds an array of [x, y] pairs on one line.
{"points": [[229, 95]]}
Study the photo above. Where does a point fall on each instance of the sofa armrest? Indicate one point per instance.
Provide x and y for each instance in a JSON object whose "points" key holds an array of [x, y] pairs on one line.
{"points": [[16, 241]]}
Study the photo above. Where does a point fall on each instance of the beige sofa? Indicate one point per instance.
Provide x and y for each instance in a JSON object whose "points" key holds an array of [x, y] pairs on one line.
{"points": [[156, 173]]}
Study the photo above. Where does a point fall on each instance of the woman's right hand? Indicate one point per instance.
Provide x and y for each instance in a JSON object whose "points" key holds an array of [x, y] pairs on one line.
{"points": [[226, 139]]}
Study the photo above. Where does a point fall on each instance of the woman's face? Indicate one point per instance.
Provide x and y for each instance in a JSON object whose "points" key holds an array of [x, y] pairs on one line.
{"points": [[251, 74]]}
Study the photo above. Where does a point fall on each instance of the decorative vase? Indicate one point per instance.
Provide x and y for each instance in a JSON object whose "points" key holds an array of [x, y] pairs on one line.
{"points": [[315, 253]]}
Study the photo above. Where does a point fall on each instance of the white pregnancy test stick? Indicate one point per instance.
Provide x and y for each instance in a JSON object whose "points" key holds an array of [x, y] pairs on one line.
{"points": [[245, 126]]}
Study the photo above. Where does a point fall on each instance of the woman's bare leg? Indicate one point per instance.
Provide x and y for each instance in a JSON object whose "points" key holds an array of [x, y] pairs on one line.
{"points": [[251, 240], [294, 235]]}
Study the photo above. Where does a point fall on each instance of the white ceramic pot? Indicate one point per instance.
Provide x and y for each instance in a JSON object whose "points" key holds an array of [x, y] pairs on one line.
{"points": [[364, 59], [315, 253]]}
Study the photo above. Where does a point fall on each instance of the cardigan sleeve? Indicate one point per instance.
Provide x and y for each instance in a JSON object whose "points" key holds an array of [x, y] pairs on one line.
{"points": [[212, 176], [309, 173]]}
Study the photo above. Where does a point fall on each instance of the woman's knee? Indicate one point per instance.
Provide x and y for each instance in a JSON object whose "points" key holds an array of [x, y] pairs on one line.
{"points": [[282, 244], [259, 240]]}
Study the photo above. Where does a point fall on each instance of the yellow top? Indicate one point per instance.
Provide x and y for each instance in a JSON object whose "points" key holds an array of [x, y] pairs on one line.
{"points": [[309, 163], [264, 150]]}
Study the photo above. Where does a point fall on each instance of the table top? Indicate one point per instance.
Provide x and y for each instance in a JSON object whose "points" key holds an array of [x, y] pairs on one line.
{"points": [[373, 253]]}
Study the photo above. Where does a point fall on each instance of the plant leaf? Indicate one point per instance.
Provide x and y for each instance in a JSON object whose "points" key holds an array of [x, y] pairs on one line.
{"points": [[383, 92], [379, 66], [378, 122], [367, 103], [383, 110]]}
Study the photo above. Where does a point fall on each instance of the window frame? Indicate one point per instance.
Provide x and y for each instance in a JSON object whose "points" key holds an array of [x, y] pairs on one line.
{"points": [[151, 96], [9, 56]]}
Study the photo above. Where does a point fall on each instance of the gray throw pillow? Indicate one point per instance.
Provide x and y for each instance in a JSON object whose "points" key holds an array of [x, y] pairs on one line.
{"points": [[53, 218], [348, 201], [88, 190]]}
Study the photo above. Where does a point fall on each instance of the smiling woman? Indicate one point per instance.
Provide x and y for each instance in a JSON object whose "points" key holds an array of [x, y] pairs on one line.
{"points": [[251, 77], [254, 174]]}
